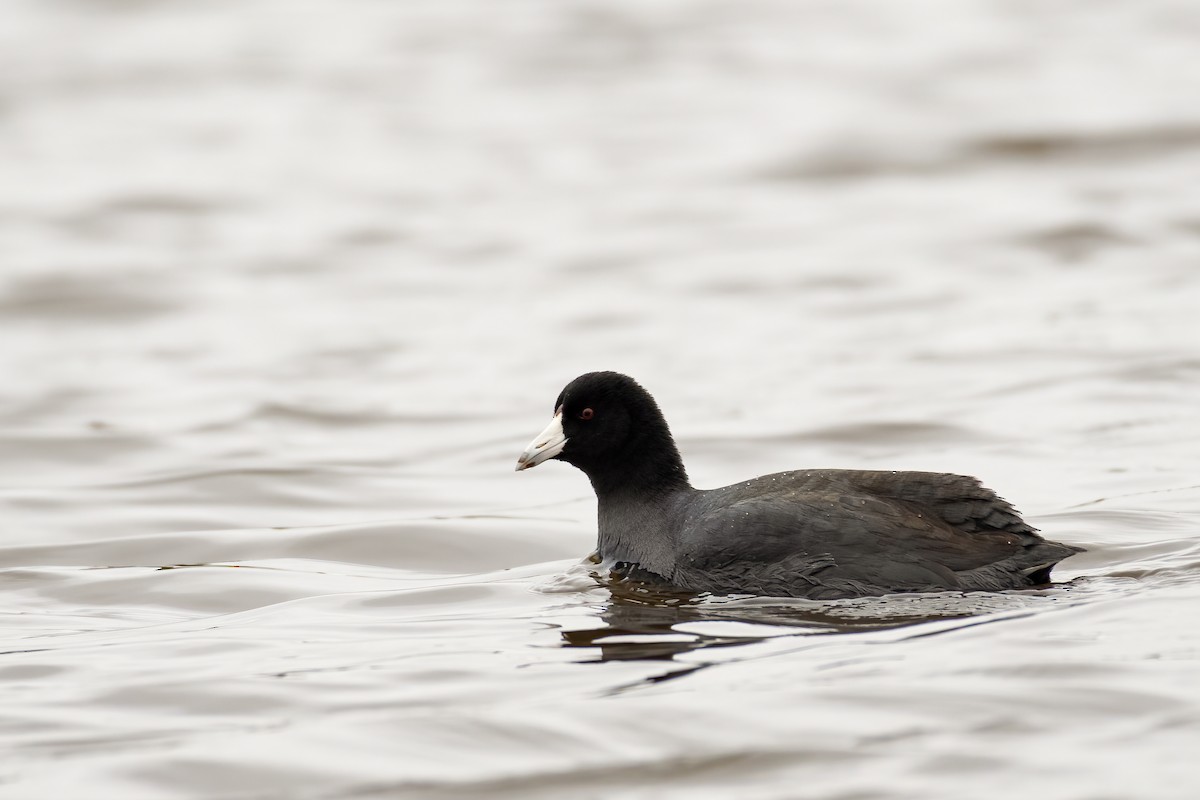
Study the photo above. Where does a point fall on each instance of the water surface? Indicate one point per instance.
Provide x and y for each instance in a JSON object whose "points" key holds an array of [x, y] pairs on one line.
{"points": [[285, 289]]}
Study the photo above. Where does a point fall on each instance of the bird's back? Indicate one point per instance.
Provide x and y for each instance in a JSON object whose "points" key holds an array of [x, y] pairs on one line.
{"points": [[832, 533]]}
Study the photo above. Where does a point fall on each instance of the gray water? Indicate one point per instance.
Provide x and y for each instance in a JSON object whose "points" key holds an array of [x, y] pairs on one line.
{"points": [[285, 288]]}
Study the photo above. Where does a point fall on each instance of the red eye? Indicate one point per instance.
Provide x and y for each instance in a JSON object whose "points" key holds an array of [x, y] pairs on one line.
{"points": [[587, 413]]}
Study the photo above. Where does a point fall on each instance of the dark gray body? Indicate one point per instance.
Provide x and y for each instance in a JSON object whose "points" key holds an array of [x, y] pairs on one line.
{"points": [[827, 534]]}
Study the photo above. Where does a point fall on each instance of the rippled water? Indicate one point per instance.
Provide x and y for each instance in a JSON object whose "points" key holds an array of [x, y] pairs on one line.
{"points": [[286, 287]]}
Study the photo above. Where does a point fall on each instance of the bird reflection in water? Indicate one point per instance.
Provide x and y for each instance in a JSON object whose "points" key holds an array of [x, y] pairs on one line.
{"points": [[641, 620]]}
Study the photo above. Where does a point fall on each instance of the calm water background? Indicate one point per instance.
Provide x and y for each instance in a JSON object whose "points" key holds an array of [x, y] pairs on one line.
{"points": [[285, 287]]}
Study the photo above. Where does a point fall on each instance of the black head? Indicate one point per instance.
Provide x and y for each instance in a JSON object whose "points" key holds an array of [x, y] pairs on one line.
{"points": [[607, 425]]}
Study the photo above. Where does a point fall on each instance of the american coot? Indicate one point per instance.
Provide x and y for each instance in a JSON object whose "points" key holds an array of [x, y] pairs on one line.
{"points": [[820, 533]]}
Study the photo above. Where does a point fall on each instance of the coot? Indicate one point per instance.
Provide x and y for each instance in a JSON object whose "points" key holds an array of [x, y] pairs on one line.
{"points": [[818, 533]]}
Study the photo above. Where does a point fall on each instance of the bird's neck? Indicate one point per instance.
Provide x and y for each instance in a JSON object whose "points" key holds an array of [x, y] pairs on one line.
{"points": [[647, 465], [632, 479], [638, 489], [639, 527]]}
